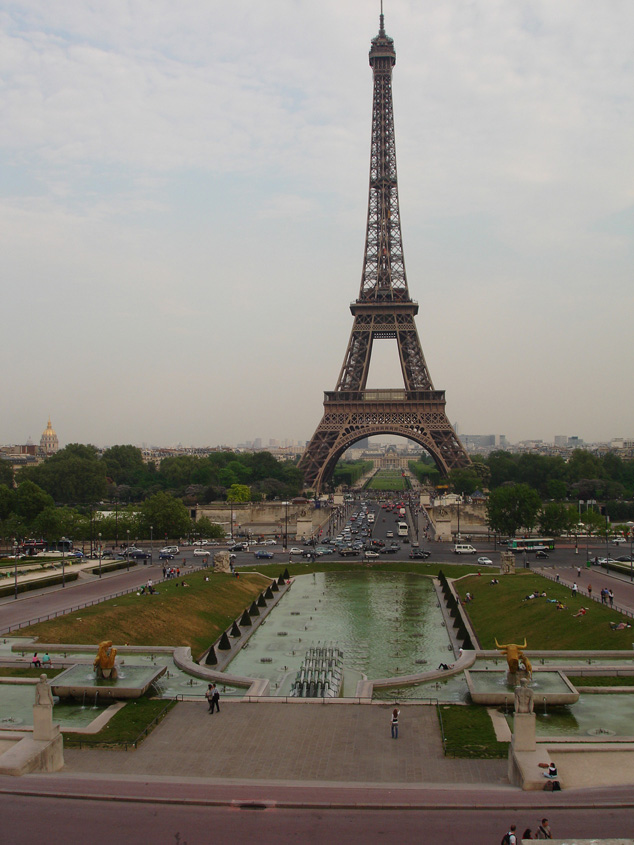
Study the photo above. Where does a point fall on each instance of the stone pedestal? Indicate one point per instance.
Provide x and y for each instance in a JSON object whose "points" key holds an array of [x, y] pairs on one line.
{"points": [[507, 564], [524, 732], [43, 728], [222, 562], [304, 528]]}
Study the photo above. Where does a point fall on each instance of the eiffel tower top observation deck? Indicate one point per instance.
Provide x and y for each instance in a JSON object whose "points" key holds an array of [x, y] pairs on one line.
{"points": [[383, 310]]}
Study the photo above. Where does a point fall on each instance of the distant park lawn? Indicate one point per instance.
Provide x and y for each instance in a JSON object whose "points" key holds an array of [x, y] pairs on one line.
{"points": [[176, 616], [499, 610]]}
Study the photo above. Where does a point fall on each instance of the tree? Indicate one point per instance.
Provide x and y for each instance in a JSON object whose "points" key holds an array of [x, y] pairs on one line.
{"points": [[7, 501], [124, 464], [556, 489], [30, 500], [554, 519], [167, 516], [6, 473], [464, 480], [512, 507], [206, 528], [73, 475], [238, 493]]}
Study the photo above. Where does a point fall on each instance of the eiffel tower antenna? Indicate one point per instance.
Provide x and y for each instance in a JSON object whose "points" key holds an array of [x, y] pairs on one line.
{"points": [[383, 310]]}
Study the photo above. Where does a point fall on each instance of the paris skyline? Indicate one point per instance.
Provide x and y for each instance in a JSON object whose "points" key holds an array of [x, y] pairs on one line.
{"points": [[183, 206]]}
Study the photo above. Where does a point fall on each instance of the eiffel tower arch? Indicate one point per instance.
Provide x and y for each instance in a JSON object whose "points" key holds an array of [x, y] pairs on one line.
{"points": [[383, 310]]}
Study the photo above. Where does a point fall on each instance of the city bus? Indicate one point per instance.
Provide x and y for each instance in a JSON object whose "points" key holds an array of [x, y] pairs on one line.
{"points": [[531, 544], [403, 529]]}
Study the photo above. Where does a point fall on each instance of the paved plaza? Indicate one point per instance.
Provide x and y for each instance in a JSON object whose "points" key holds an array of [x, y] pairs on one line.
{"points": [[294, 742]]}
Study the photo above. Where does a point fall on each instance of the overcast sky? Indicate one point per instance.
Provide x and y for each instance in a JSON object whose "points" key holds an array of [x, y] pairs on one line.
{"points": [[183, 199]]}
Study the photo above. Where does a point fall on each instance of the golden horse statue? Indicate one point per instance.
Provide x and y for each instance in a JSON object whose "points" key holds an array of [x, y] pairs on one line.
{"points": [[104, 661], [514, 656]]}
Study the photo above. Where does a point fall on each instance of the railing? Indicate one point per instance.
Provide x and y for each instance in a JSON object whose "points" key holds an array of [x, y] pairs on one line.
{"points": [[72, 609], [384, 395]]}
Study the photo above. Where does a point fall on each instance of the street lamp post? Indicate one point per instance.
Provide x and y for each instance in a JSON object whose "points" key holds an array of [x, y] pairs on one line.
{"points": [[15, 567], [285, 525], [151, 544], [631, 558], [63, 561], [100, 554], [127, 549]]}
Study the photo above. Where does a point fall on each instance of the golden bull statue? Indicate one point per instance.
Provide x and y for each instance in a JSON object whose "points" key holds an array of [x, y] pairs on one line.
{"points": [[515, 657], [104, 661]]}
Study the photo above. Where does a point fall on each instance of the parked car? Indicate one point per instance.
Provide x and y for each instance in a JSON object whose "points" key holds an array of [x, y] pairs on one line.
{"points": [[263, 554], [624, 559], [485, 561], [201, 553], [419, 554]]}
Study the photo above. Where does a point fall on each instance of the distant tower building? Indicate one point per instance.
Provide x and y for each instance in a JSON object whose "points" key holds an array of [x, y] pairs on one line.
{"points": [[49, 444]]}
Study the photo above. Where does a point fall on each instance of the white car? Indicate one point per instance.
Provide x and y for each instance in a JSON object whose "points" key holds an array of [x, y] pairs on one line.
{"points": [[295, 551], [200, 542], [485, 561], [269, 542], [389, 533], [201, 553], [170, 550]]}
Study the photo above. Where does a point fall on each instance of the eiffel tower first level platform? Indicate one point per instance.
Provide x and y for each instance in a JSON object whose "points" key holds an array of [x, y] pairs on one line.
{"points": [[350, 416], [383, 310]]}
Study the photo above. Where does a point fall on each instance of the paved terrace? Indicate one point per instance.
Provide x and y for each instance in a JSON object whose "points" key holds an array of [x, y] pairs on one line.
{"points": [[293, 742]]}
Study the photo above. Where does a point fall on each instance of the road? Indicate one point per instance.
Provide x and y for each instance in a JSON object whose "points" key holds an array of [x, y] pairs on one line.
{"points": [[38, 604], [59, 820]]}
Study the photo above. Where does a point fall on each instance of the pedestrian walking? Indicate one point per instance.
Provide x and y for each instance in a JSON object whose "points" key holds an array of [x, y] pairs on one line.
{"points": [[215, 699], [209, 695], [589, 591], [510, 838], [611, 597], [574, 589], [604, 595], [394, 722], [544, 831], [528, 834], [557, 577], [578, 572]]}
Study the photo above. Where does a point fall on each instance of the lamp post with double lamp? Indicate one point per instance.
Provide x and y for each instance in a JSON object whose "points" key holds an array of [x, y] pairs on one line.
{"points": [[151, 545], [63, 561], [631, 556], [15, 567], [127, 549], [99, 554]]}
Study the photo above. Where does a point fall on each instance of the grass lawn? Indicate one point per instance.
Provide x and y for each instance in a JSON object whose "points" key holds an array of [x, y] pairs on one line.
{"points": [[469, 733], [130, 724], [176, 616], [499, 610], [23, 672]]}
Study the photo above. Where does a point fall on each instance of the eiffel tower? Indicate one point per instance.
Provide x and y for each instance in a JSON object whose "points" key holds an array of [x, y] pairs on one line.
{"points": [[383, 309]]}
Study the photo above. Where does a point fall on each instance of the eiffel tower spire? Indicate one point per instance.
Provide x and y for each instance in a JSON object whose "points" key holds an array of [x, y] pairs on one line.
{"points": [[383, 310]]}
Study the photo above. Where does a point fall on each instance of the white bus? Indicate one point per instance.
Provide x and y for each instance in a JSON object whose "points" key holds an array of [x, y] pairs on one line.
{"points": [[403, 529]]}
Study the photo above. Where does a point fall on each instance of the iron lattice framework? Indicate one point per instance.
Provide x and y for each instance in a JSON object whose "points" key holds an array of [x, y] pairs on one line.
{"points": [[383, 309]]}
